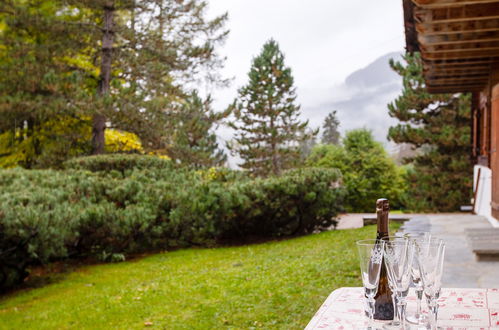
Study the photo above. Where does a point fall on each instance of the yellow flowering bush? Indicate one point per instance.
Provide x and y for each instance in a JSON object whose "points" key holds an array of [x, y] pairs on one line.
{"points": [[56, 140]]}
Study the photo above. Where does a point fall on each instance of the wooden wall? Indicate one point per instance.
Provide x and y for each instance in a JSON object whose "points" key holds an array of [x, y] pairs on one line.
{"points": [[494, 145], [485, 132]]}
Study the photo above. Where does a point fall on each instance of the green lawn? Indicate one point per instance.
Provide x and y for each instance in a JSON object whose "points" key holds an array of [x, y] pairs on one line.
{"points": [[270, 285]]}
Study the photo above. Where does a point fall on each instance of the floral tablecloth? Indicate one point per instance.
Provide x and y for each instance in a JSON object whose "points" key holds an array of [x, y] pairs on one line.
{"points": [[459, 309]]}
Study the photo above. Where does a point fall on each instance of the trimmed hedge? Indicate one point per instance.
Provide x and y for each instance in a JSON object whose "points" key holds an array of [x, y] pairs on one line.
{"points": [[117, 162], [47, 215]]}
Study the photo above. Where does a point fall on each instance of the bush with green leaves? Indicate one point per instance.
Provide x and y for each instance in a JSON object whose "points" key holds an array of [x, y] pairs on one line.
{"points": [[48, 215], [298, 202], [368, 172], [117, 162]]}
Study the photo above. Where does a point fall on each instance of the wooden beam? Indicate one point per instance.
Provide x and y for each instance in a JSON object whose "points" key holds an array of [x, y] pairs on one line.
{"points": [[456, 86], [456, 46], [409, 26], [450, 91], [471, 62], [492, 52], [484, 24], [457, 38], [474, 11], [453, 89], [435, 71], [467, 77], [430, 4], [424, 19], [456, 81]]}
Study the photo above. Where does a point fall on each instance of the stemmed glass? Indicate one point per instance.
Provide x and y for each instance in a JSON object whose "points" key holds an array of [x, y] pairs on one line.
{"points": [[421, 238], [399, 254], [370, 256], [431, 261]]}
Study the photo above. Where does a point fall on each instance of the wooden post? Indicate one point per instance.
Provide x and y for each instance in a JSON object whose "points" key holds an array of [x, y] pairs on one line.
{"points": [[475, 193]]}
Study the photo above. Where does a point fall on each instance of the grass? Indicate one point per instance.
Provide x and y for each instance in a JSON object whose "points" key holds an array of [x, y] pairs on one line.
{"points": [[277, 285]]}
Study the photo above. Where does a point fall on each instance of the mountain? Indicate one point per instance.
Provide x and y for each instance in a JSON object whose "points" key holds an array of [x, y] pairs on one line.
{"points": [[361, 100]]}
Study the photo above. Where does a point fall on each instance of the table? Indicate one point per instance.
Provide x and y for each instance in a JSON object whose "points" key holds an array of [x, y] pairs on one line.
{"points": [[459, 309]]}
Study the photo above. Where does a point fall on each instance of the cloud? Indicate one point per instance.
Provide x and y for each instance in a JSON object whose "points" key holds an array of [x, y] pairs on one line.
{"points": [[361, 100], [324, 43]]}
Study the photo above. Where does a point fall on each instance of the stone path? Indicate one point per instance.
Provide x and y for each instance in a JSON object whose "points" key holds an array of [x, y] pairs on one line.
{"points": [[462, 270]]}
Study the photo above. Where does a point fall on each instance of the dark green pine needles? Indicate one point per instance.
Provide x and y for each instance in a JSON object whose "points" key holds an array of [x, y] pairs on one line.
{"points": [[268, 129], [438, 125]]}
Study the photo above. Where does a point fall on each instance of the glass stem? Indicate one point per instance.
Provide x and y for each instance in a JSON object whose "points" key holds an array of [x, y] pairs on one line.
{"points": [[419, 293], [396, 316], [371, 303], [433, 307], [401, 306]]}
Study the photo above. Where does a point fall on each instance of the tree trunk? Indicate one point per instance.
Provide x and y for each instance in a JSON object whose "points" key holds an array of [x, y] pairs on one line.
{"points": [[30, 133], [273, 147], [273, 144], [99, 119]]}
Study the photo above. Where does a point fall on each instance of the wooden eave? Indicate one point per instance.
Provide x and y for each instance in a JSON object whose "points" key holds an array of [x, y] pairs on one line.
{"points": [[458, 41]]}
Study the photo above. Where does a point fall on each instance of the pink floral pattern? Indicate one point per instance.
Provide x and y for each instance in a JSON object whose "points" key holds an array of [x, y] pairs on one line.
{"points": [[459, 309]]}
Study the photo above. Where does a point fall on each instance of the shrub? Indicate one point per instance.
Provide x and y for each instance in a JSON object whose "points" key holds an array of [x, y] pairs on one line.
{"points": [[368, 172], [47, 215], [298, 202], [117, 162]]}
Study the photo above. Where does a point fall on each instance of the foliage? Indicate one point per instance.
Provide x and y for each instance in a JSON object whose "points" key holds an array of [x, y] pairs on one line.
{"points": [[298, 202], [438, 125], [368, 172], [50, 215], [122, 141], [57, 139], [268, 130], [307, 143], [193, 142], [277, 285], [123, 63], [118, 162], [37, 85], [330, 133]]}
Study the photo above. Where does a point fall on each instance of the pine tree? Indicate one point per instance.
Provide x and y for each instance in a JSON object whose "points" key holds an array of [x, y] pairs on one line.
{"points": [[194, 142], [268, 129], [330, 134], [147, 51], [121, 64], [438, 126], [308, 143], [38, 82]]}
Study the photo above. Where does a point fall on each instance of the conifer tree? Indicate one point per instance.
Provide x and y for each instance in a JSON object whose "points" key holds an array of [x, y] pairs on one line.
{"points": [[268, 129], [38, 80], [122, 64], [147, 51], [193, 142], [438, 126], [330, 134]]}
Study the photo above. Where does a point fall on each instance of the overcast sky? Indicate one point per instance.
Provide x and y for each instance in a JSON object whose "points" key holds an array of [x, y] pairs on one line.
{"points": [[325, 42]]}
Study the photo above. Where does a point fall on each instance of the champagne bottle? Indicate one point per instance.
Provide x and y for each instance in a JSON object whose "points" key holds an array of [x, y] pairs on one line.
{"points": [[383, 307]]}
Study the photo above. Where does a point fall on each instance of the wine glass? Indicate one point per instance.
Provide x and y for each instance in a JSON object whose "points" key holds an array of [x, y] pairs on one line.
{"points": [[431, 261], [370, 256], [399, 254], [421, 238]]}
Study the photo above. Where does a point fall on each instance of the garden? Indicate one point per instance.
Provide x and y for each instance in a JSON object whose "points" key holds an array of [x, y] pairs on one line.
{"points": [[277, 284], [122, 207], [130, 241]]}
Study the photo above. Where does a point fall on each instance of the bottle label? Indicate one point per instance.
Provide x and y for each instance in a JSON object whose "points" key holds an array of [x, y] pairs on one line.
{"points": [[383, 311]]}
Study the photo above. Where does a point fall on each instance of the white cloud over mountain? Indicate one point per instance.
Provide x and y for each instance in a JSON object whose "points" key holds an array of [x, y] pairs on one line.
{"points": [[361, 100]]}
